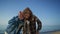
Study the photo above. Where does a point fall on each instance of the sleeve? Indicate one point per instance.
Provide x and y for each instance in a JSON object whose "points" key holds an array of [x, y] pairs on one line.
{"points": [[11, 25], [39, 24]]}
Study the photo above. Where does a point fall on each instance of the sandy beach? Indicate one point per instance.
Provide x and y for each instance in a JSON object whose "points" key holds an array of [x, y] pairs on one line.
{"points": [[55, 32]]}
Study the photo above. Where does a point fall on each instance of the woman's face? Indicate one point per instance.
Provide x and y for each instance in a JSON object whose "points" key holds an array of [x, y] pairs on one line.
{"points": [[27, 15]]}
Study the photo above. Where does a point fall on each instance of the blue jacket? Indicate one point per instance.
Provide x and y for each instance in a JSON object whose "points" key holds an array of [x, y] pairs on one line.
{"points": [[13, 25]]}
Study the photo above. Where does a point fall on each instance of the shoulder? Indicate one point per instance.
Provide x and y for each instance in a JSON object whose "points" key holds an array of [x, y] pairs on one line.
{"points": [[14, 19]]}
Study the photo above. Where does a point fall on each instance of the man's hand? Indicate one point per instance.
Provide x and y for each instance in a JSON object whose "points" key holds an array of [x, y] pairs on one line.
{"points": [[20, 15]]}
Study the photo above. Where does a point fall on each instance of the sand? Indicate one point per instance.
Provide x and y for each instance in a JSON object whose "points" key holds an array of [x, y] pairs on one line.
{"points": [[54, 32], [57, 32]]}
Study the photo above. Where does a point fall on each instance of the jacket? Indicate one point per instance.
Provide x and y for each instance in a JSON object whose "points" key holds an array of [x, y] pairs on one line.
{"points": [[31, 27], [13, 25]]}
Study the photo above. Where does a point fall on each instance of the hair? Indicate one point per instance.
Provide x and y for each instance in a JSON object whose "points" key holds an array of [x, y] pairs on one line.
{"points": [[30, 12]]}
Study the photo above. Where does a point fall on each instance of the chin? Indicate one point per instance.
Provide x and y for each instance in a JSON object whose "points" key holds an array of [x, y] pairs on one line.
{"points": [[26, 18]]}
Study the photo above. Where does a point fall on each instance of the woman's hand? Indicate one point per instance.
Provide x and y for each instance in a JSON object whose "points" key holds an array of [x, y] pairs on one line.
{"points": [[37, 32]]}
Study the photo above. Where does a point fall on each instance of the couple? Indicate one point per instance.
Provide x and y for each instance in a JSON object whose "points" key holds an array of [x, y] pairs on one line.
{"points": [[25, 21]]}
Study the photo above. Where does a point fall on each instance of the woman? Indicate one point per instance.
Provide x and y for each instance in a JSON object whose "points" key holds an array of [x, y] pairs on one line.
{"points": [[30, 27]]}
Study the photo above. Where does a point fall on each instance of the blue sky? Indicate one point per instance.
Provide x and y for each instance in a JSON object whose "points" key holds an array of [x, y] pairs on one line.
{"points": [[48, 11]]}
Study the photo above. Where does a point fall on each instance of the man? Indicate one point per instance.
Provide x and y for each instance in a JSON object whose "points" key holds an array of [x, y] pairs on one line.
{"points": [[25, 20], [14, 23]]}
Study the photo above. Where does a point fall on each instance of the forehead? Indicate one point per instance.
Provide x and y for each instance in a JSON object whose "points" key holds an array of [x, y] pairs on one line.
{"points": [[27, 12]]}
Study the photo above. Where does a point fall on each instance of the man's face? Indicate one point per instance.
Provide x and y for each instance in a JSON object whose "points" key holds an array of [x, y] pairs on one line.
{"points": [[27, 15], [20, 15]]}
